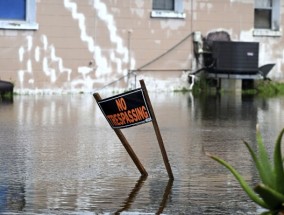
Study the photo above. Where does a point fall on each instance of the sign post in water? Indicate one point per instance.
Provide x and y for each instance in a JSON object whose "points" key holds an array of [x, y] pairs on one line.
{"points": [[130, 109]]}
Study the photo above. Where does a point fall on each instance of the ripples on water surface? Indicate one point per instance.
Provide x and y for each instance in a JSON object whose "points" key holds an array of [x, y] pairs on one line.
{"points": [[58, 155]]}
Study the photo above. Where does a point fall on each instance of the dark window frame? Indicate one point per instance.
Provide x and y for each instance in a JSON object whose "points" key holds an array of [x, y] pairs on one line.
{"points": [[267, 18]]}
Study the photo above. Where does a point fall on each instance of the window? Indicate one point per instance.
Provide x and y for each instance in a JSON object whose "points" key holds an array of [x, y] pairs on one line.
{"points": [[163, 4], [18, 14], [167, 9], [267, 18]]}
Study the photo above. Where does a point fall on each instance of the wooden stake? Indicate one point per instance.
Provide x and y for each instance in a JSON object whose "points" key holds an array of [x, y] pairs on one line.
{"points": [[157, 130], [126, 145]]}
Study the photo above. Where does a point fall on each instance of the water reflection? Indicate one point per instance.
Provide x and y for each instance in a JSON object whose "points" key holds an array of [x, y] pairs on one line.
{"points": [[58, 155], [135, 191], [166, 194], [132, 195], [12, 197]]}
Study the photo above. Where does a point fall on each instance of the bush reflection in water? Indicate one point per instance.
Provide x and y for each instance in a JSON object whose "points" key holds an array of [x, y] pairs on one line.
{"points": [[58, 155]]}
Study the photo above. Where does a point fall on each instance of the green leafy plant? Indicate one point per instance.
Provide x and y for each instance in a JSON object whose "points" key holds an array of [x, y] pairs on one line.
{"points": [[269, 193]]}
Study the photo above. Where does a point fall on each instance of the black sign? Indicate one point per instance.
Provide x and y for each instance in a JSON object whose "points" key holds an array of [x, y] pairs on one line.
{"points": [[126, 110]]}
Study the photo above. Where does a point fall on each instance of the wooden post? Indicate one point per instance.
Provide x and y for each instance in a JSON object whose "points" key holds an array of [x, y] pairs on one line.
{"points": [[126, 145], [157, 130]]}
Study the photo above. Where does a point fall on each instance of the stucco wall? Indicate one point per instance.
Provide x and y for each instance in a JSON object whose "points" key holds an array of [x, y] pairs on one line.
{"points": [[84, 45]]}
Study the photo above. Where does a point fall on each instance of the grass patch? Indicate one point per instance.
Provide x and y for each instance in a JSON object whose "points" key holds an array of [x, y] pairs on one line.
{"points": [[182, 90], [6, 96], [269, 88], [263, 88]]}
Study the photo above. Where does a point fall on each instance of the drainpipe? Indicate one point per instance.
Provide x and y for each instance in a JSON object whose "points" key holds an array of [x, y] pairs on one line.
{"points": [[129, 54], [191, 30]]}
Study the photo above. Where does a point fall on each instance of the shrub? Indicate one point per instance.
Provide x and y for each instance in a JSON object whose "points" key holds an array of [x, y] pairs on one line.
{"points": [[269, 193]]}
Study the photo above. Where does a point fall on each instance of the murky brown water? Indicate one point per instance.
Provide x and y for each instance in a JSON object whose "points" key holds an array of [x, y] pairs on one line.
{"points": [[58, 155]]}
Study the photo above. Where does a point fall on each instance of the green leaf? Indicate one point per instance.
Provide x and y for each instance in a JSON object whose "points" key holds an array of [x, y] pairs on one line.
{"points": [[264, 175], [264, 160], [278, 164], [267, 213], [270, 213], [273, 198], [253, 196]]}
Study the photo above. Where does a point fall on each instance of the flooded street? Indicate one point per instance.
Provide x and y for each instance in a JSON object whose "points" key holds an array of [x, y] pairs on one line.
{"points": [[58, 155]]}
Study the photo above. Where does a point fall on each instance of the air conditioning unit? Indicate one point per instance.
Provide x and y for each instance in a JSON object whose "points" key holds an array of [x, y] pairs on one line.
{"points": [[235, 57]]}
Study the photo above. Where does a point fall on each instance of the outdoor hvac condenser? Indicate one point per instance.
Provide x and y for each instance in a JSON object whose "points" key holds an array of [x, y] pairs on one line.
{"points": [[235, 57]]}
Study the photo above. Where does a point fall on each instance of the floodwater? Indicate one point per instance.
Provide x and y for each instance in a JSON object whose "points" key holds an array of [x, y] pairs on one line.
{"points": [[58, 155]]}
